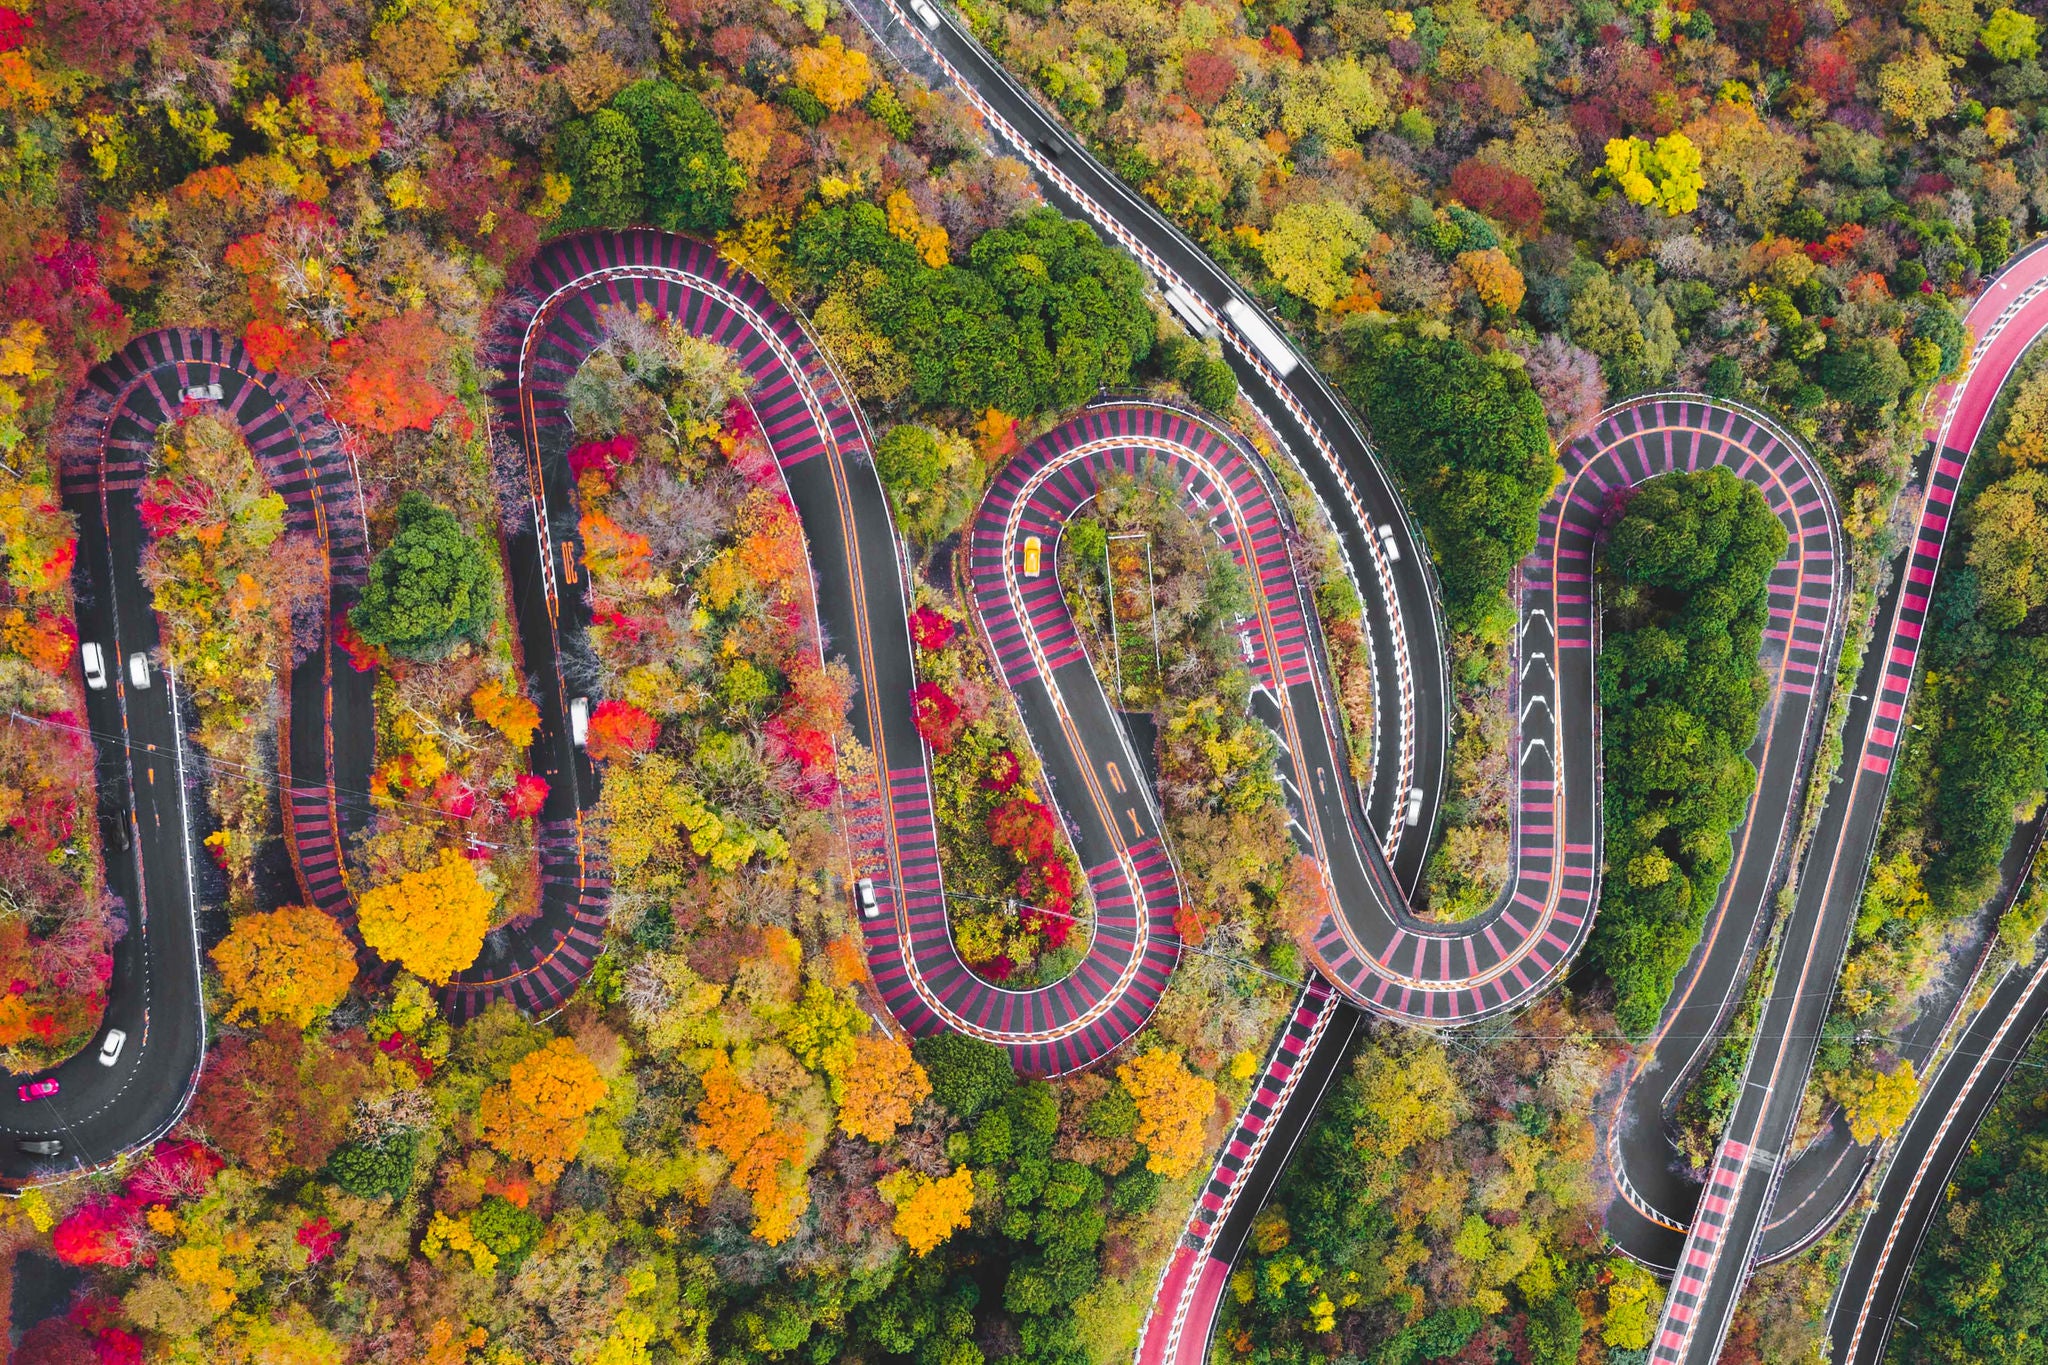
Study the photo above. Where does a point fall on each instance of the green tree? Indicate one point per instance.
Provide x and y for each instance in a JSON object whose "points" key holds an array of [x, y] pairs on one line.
{"points": [[686, 177], [1042, 316], [1688, 573], [1867, 373], [369, 1169], [601, 155], [509, 1230], [1467, 437], [932, 479], [1635, 340], [967, 1075], [432, 587]]}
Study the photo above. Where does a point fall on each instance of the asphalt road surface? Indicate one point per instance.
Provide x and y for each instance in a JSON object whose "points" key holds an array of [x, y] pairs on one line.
{"points": [[1377, 957]]}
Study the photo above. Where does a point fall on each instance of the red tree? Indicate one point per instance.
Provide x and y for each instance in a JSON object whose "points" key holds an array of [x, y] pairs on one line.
{"points": [[1023, 827], [1505, 195], [1206, 77], [936, 715], [396, 374], [55, 1342], [619, 728]]}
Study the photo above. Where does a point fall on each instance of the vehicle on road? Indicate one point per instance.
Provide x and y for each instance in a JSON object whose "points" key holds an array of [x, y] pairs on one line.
{"points": [[36, 1090], [110, 1046], [1414, 811], [138, 669], [41, 1146], [93, 660], [1189, 311], [926, 15], [1389, 544], [864, 895], [1263, 339], [579, 720], [1034, 553]]}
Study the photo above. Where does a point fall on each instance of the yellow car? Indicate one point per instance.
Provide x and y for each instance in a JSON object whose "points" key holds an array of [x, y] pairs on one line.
{"points": [[1032, 555]]}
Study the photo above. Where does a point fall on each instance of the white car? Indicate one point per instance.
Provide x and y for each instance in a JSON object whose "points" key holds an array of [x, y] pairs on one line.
{"points": [[864, 896], [926, 15], [579, 720], [1389, 544], [1414, 812], [110, 1046], [94, 660], [138, 669]]}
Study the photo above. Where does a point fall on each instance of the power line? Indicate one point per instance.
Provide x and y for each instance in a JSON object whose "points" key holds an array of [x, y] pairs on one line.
{"points": [[275, 781]]}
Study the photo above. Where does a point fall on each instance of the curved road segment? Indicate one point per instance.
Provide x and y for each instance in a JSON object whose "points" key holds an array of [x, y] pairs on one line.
{"points": [[2006, 320], [1655, 1216], [1370, 948]]}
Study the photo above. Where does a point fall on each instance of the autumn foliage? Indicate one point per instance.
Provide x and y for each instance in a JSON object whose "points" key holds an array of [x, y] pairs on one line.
{"points": [[294, 964], [929, 1211], [395, 375], [619, 729], [432, 923], [540, 1114], [936, 714], [736, 1121], [1173, 1105], [879, 1087], [506, 711]]}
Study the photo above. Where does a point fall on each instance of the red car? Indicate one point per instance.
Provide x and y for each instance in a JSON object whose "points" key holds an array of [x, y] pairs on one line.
{"points": [[36, 1090]]}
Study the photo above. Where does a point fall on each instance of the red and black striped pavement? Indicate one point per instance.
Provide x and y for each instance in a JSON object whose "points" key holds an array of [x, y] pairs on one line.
{"points": [[104, 443]]}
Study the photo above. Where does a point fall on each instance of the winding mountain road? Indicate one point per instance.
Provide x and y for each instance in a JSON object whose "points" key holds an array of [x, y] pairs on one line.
{"points": [[1375, 956]]}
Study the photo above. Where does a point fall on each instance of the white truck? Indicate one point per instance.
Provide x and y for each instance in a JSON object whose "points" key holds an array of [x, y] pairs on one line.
{"points": [[1270, 345]]}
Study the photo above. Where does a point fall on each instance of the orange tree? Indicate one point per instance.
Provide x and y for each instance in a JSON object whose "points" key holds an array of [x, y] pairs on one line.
{"points": [[878, 1087], [432, 923], [735, 1121], [294, 963], [540, 1114]]}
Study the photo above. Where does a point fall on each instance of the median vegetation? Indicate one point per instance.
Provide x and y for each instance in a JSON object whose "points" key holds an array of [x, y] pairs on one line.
{"points": [[1686, 575], [57, 922], [1464, 434], [1443, 1207]]}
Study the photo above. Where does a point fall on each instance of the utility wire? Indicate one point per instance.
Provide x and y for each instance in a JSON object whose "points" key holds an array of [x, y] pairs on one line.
{"points": [[265, 776]]}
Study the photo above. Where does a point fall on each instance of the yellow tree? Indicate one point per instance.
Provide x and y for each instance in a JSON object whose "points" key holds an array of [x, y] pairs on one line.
{"points": [[1666, 173], [540, 1114], [509, 713], [1877, 1103], [929, 1211], [294, 963], [432, 923], [878, 1087], [1173, 1104], [1633, 1297], [832, 73], [1914, 87]]}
